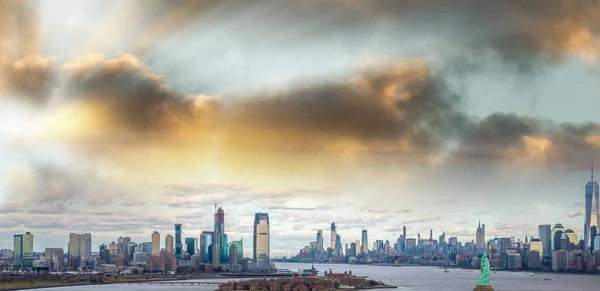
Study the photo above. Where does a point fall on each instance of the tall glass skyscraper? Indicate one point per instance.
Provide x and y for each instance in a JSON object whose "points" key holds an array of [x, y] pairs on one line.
{"points": [[262, 241], [592, 208], [206, 244], [545, 235], [365, 242], [190, 246], [178, 244], [220, 250]]}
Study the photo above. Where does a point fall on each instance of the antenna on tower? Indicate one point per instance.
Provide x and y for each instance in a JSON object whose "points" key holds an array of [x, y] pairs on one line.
{"points": [[213, 198]]}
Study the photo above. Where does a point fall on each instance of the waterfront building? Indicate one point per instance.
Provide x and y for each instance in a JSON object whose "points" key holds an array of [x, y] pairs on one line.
{"points": [[239, 247], [557, 232], [320, 248], [536, 246], [561, 260], [169, 243], [155, 243], [178, 242], [206, 246], [262, 241], [54, 257], [545, 235]]}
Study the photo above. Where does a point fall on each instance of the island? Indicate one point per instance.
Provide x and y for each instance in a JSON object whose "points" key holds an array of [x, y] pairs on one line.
{"points": [[329, 282]]}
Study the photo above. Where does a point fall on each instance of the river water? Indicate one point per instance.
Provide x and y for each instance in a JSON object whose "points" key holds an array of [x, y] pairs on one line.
{"points": [[409, 278]]}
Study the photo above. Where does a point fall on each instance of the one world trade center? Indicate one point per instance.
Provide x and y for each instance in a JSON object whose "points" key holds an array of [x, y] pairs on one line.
{"points": [[592, 208]]}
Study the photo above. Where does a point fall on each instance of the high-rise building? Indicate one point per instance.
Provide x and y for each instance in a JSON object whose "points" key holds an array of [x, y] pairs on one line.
{"points": [[220, 250], [178, 243], [365, 242], [545, 235], [86, 245], [18, 252], [557, 232], [169, 243], [320, 240], [146, 247], [480, 238], [206, 246], [80, 248], [536, 245], [333, 235], [233, 250], [190, 245], [592, 210], [403, 246], [262, 241], [155, 243], [240, 247], [358, 248], [27, 250], [54, 256]]}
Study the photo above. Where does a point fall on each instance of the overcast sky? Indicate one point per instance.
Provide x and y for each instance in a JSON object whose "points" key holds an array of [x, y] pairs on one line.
{"points": [[121, 117]]}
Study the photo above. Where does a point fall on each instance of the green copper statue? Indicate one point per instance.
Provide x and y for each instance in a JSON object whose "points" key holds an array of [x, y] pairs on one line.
{"points": [[484, 278]]}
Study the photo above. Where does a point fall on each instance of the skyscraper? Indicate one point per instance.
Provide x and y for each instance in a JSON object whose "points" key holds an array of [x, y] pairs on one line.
{"points": [[545, 234], [320, 240], [206, 244], [80, 246], [27, 250], [333, 235], [156, 243], [262, 241], [365, 242], [190, 245], [18, 252], [557, 232], [178, 243], [592, 208], [220, 250], [86, 245], [169, 243], [480, 238]]}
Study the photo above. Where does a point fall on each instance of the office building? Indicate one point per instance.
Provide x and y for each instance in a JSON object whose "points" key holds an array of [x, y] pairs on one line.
{"points": [[320, 240], [239, 244], [146, 247], [190, 245], [592, 209], [220, 250], [545, 235], [557, 232], [333, 235], [155, 243], [561, 260], [169, 243], [54, 257], [365, 242], [178, 242], [536, 245], [206, 246], [262, 241], [480, 238], [18, 251]]}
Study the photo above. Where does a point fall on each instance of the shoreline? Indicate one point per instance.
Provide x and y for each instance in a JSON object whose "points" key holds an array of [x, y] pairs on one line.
{"points": [[55, 284]]}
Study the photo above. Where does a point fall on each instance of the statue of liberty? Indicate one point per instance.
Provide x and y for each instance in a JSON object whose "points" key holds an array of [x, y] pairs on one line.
{"points": [[484, 279]]}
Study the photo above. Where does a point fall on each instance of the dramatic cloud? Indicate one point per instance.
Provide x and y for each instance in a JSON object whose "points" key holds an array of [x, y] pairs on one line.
{"points": [[576, 213]]}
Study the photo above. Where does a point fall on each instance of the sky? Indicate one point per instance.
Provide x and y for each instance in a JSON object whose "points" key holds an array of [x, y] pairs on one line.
{"points": [[120, 118]]}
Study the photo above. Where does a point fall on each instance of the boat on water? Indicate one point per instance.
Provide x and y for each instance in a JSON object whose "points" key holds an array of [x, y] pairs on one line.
{"points": [[446, 270], [531, 274], [346, 287], [309, 272], [548, 279]]}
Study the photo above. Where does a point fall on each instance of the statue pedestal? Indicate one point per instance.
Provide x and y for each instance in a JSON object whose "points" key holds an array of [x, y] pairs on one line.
{"points": [[483, 288]]}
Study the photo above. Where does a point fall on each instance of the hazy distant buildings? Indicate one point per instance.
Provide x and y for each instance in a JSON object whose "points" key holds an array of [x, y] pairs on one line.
{"points": [[592, 209], [320, 241], [262, 241], [155, 243]]}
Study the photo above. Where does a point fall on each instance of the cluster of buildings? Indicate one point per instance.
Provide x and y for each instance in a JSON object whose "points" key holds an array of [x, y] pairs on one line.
{"points": [[211, 251], [555, 248]]}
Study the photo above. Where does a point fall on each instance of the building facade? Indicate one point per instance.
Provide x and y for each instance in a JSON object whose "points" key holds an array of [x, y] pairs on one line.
{"points": [[365, 242], [591, 217], [155, 243], [262, 241], [178, 242]]}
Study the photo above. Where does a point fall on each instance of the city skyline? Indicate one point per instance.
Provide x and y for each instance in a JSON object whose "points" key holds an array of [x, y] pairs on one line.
{"points": [[363, 115]]}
